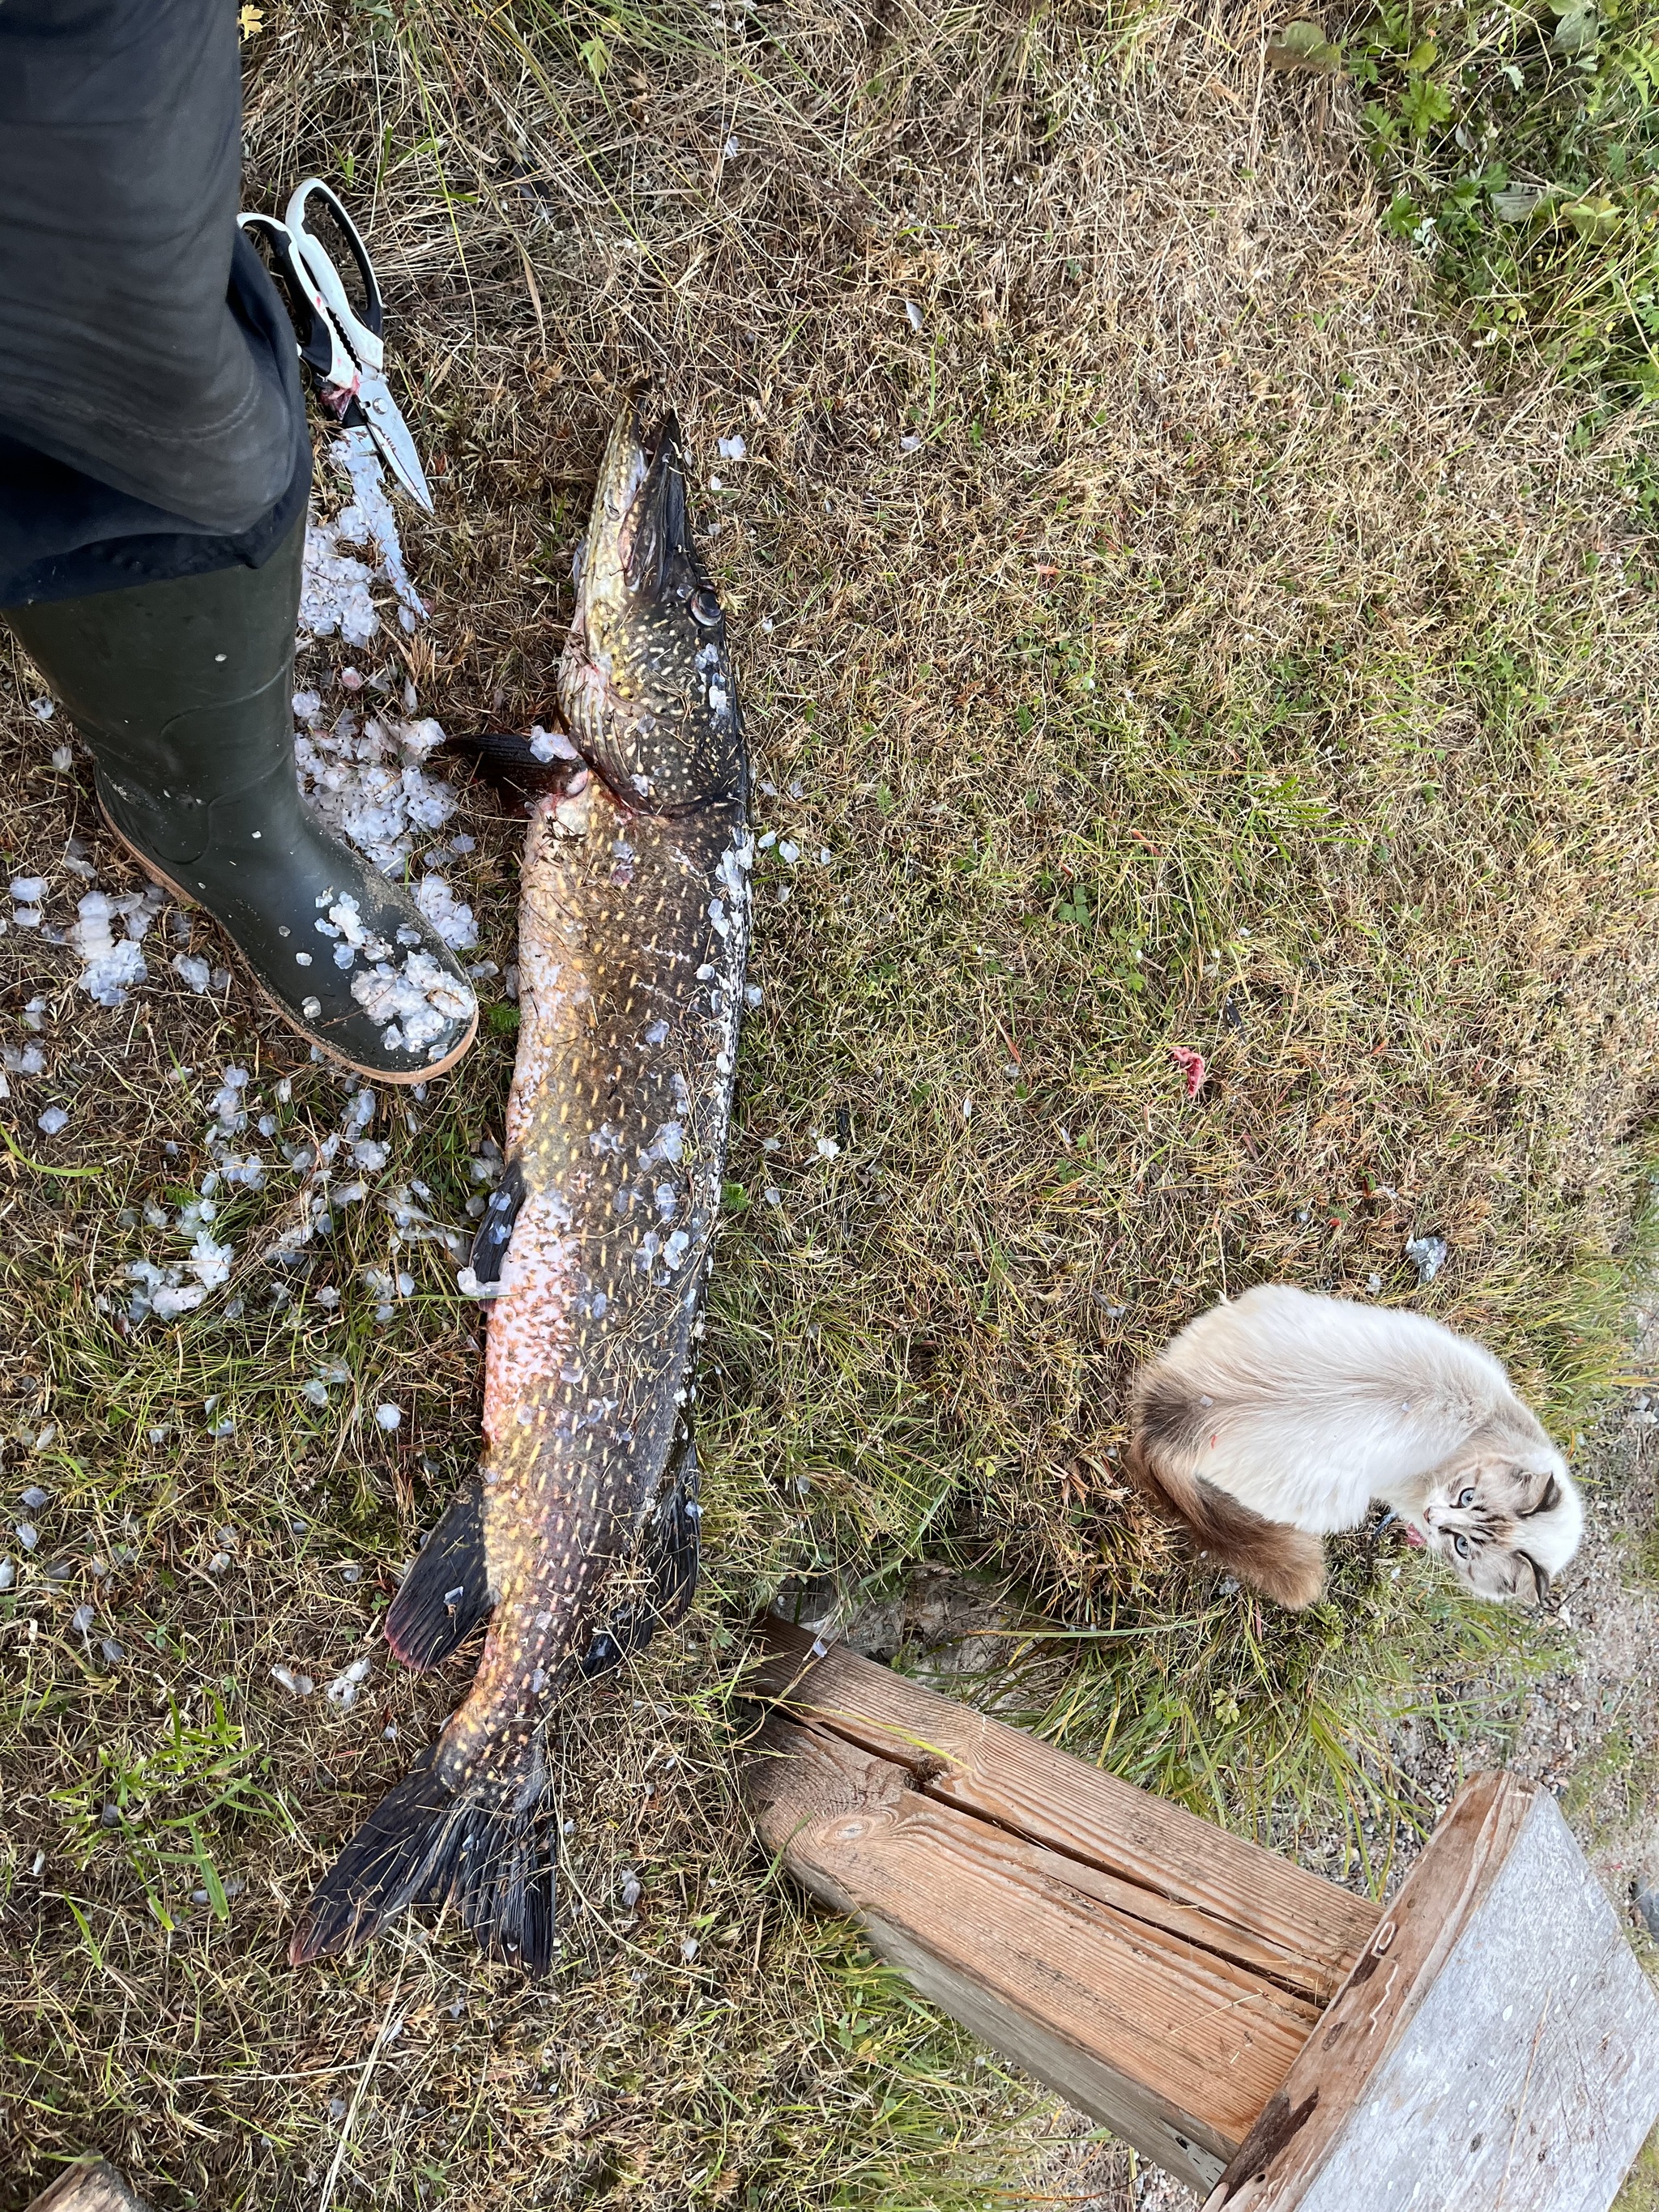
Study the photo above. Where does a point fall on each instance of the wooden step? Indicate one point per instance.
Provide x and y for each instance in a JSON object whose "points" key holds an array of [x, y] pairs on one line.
{"points": [[1490, 2043]]}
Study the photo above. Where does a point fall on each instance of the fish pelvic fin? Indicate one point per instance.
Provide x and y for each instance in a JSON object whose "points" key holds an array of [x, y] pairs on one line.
{"points": [[494, 1232], [446, 1593], [488, 1845], [669, 1554]]}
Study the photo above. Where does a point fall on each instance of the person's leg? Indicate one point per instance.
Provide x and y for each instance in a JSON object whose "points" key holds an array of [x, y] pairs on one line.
{"points": [[121, 351], [152, 482], [66, 532], [184, 692]]}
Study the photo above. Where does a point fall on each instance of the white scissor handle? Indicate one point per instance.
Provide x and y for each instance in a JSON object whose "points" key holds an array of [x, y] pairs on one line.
{"points": [[364, 343]]}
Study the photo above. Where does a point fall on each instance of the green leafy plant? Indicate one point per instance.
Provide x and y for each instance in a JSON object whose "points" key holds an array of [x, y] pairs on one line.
{"points": [[1522, 145], [163, 1806], [1303, 45]]}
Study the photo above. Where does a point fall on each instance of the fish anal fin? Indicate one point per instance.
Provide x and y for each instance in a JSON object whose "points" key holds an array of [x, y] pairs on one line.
{"points": [[446, 1593], [669, 1556]]}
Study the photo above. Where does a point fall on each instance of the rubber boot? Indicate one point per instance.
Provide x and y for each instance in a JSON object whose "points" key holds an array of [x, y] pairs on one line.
{"points": [[184, 690]]}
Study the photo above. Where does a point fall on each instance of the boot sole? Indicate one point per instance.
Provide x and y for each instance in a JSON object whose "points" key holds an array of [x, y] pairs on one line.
{"points": [[159, 875]]}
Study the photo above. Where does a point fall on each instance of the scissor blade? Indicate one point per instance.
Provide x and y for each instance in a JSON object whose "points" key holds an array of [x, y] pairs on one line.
{"points": [[392, 434]]}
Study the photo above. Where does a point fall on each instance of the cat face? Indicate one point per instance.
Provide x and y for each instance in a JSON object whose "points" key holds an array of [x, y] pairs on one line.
{"points": [[1503, 1527]]}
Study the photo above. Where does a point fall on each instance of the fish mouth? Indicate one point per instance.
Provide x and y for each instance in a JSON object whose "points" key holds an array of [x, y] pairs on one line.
{"points": [[645, 683], [639, 543]]}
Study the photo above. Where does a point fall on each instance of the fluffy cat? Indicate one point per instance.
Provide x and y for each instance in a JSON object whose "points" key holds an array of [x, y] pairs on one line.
{"points": [[1275, 1418]]}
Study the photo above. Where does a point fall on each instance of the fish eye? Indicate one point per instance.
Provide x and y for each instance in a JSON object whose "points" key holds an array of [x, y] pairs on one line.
{"points": [[705, 607], [1462, 1544], [1466, 1497]]}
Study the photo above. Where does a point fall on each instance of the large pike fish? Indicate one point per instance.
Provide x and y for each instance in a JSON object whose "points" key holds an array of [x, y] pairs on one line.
{"points": [[579, 1535]]}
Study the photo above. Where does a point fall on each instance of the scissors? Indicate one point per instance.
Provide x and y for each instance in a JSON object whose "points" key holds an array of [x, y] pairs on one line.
{"points": [[339, 344]]}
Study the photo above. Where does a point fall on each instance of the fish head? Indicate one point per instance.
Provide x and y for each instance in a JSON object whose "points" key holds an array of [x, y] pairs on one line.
{"points": [[646, 683]]}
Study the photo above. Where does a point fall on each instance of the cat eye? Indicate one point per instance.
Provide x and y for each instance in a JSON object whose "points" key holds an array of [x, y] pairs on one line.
{"points": [[1462, 1544], [1466, 1498]]}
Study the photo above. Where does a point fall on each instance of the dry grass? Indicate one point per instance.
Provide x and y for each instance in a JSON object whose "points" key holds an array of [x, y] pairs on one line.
{"points": [[1169, 642]]}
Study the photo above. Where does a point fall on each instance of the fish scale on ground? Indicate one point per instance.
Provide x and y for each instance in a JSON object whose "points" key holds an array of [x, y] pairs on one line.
{"points": [[580, 1535]]}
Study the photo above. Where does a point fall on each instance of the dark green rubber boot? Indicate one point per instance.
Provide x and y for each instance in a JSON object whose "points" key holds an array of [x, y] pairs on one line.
{"points": [[184, 692]]}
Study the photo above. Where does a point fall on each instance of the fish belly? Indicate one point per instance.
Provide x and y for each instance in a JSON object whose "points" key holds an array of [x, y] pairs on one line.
{"points": [[632, 934]]}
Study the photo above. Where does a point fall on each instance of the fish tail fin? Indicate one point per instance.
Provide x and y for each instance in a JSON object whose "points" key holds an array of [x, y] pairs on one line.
{"points": [[488, 1845]]}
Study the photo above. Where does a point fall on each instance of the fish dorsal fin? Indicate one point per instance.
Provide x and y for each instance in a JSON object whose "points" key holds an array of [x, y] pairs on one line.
{"points": [[446, 1593], [494, 1232]]}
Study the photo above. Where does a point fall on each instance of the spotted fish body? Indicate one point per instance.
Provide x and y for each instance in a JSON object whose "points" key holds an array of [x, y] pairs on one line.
{"points": [[581, 1533]]}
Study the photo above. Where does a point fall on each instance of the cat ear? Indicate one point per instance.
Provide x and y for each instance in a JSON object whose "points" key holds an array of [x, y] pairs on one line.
{"points": [[1548, 1502]]}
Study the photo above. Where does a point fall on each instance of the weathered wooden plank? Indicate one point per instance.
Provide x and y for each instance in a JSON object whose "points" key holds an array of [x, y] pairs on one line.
{"points": [[1258, 1908], [89, 2185], [1497, 2047], [1173, 2046]]}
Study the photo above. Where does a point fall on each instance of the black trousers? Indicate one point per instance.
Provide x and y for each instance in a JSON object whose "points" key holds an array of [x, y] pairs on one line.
{"points": [[152, 422]]}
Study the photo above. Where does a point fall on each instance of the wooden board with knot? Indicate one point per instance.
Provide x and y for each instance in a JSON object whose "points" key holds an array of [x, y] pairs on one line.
{"points": [[1273, 2041]]}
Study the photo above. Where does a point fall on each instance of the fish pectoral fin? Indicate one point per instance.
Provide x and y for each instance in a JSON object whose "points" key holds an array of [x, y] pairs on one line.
{"points": [[494, 1232], [446, 1593], [515, 766], [669, 1557]]}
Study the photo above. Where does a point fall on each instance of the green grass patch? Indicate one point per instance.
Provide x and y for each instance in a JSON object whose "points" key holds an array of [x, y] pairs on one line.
{"points": [[1286, 1725], [1521, 144], [1641, 2191]]}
